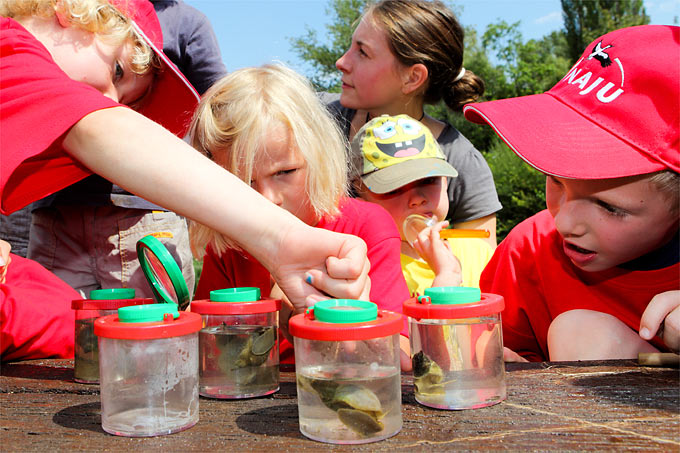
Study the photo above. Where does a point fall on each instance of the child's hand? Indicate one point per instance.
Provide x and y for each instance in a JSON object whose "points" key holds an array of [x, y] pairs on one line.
{"points": [[436, 252], [313, 264], [5, 259], [662, 316]]}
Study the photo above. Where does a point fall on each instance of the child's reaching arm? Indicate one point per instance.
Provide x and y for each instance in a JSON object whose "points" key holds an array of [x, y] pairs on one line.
{"points": [[662, 316], [436, 252], [139, 155]]}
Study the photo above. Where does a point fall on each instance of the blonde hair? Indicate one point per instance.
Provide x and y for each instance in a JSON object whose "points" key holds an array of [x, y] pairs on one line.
{"points": [[234, 118], [667, 182], [96, 16]]}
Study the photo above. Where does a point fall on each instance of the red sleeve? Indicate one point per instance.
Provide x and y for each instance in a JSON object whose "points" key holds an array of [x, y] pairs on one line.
{"points": [[39, 103], [213, 276], [511, 274], [232, 269], [35, 313]]}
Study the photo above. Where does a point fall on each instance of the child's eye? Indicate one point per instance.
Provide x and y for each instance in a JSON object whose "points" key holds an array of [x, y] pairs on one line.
{"points": [[553, 180], [118, 72], [612, 210], [286, 172]]}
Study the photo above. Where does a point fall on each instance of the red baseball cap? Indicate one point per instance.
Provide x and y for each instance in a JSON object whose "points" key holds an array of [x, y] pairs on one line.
{"points": [[615, 113], [172, 100]]}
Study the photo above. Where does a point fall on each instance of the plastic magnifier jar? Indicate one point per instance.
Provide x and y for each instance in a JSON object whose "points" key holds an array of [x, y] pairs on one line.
{"points": [[238, 344], [456, 347], [348, 371], [148, 368], [102, 302]]}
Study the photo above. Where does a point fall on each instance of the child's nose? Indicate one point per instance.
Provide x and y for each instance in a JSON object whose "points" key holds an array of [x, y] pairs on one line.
{"points": [[568, 221], [111, 92], [270, 194], [417, 198]]}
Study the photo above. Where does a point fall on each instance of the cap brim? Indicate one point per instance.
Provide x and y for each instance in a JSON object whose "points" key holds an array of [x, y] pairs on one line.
{"points": [[398, 175], [172, 100], [555, 139]]}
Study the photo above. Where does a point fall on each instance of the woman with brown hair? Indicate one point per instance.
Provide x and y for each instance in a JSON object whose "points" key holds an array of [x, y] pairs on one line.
{"points": [[406, 54]]}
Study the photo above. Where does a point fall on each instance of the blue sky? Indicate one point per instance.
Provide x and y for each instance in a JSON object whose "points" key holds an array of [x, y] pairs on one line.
{"points": [[254, 32]]}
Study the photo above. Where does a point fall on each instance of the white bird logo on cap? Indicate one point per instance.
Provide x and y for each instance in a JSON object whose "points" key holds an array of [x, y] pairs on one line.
{"points": [[600, 55]]}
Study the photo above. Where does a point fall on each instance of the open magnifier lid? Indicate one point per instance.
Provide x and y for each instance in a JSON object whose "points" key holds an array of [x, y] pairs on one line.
{"points": [[162, 272]]}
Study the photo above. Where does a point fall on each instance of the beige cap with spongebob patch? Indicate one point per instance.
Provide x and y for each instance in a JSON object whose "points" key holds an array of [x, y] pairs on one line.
{"points": [[393, 151]]}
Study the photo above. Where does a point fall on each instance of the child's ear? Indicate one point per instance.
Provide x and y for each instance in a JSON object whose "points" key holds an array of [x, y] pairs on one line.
{"points": [[415, 77], [59, 13]]}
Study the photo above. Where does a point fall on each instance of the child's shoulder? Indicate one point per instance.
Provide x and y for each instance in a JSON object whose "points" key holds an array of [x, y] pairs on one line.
{"points": [[538, 231], [363, 219], [356, 206]]}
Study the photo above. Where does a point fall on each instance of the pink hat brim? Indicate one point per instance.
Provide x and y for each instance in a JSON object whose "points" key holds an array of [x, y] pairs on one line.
{"points": [[172, 100], [557, 140]]}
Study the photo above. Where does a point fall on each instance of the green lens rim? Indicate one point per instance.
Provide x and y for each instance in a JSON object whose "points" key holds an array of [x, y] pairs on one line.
{"points": [[345, 311], [450, 295]]}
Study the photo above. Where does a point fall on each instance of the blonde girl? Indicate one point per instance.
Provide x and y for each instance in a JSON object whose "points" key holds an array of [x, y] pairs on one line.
{"points": [[267, 126]]}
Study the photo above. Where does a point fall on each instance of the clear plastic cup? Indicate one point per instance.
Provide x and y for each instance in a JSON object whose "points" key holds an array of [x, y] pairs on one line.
{"points": [[348, 372], [238, 344], [148, 367], [102, 302], [456, 348]]}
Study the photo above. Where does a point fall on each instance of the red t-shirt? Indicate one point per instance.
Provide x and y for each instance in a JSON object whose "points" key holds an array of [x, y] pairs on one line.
{"points": [[35, 313], [530, 270], [369, 221], [39, 103]]}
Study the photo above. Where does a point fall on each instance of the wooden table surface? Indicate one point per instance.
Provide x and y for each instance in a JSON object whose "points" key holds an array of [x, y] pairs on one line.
{"points": [[608, 405]]}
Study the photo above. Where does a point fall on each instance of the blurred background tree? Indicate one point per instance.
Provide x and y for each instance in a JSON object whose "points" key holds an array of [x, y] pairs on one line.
{"points": [[509, 65], [585, 20]]}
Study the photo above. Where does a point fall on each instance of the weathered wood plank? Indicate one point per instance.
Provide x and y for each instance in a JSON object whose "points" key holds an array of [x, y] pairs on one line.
{"points": [[581, 406]]}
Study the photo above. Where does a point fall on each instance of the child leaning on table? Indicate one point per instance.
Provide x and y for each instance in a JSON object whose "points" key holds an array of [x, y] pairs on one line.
{"points": [[36, 318], [399, 165], [65, 78], [596, 275], [267, 126]]}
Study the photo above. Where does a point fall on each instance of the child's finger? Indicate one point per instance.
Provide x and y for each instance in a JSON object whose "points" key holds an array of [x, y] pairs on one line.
{"points": [[655, 313], [340, 288]]}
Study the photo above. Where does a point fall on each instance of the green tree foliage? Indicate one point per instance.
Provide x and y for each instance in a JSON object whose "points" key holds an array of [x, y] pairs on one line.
{"points": [[585, 20], [510, 67], [322, 57], [521, 188]]}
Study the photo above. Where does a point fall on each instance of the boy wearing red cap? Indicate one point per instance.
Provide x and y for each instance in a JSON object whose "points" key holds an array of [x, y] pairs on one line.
{"points": [[67, 67], [596, 275]]}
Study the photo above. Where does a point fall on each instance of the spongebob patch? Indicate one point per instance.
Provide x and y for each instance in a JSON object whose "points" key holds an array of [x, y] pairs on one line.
{"points": [[397, 139]]}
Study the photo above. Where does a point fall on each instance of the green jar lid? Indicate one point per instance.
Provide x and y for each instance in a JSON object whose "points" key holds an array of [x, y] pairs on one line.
{"points": [[344, 311], [243, 294], [447, 295], [112, 294], [162, 272], [147, 313]]}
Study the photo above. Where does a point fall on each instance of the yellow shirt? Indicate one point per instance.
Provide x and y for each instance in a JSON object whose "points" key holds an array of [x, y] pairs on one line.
{"points": [[473, 254]]}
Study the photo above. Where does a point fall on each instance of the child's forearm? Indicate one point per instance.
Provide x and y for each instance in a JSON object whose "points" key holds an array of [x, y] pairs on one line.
{"points": [[144, 158]]}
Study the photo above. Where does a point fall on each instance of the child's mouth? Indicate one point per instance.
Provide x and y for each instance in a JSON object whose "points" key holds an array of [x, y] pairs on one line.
{"points": [[578, 255], [578, 249]]}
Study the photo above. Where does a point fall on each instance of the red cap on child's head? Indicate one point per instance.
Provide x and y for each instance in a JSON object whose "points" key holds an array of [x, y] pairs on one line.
{"points": [[172, 100], [614, 114]]}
